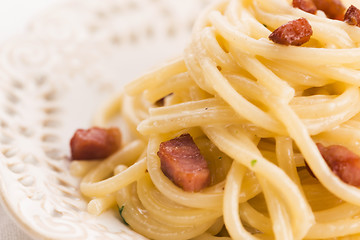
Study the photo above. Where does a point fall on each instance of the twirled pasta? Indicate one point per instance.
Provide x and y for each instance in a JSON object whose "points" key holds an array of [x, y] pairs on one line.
{"points": [[256, 110]]}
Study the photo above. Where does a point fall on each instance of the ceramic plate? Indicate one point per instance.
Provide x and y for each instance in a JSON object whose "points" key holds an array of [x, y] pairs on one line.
{"points": [[53, 77]]}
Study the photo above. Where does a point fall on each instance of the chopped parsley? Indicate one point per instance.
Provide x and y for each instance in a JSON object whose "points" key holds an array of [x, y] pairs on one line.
{"points": [[220, 158], [253, 162], [122, 217]]}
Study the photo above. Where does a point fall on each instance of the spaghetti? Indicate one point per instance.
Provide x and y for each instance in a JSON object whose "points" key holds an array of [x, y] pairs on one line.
{"points": [[256, 110]]}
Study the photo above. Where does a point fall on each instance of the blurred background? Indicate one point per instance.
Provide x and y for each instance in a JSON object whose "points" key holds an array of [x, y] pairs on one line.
{"points": [[14, 14]]}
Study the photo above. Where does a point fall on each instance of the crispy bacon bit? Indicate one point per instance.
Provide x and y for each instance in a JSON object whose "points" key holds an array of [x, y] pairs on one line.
{"points": [[94, 143], [305, 5], [333, 9], [296, 32], [344, 163], [352, 16], [183, 164]]}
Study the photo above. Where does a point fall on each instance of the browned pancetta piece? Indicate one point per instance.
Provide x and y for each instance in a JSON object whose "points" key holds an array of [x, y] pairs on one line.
{"points": [[94, 143], [344, 163], [183, 164], [333, 9], [352, 16], [305, 5], [296, 32]]}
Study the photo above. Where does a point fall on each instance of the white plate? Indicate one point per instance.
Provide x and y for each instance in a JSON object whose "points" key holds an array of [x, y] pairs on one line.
{"points": [[52, 79]]}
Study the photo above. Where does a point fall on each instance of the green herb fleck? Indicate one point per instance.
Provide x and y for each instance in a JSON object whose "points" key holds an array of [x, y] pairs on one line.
{"points": [[253, 162], [264, 25], [220, 158], [122, 217]]}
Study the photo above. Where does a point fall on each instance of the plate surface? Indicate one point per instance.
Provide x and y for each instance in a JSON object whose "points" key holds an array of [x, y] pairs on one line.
{"points": [[53, 78]]}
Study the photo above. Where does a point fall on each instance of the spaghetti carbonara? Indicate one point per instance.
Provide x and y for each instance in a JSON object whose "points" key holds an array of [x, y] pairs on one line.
{"points": [[256, 109]]}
